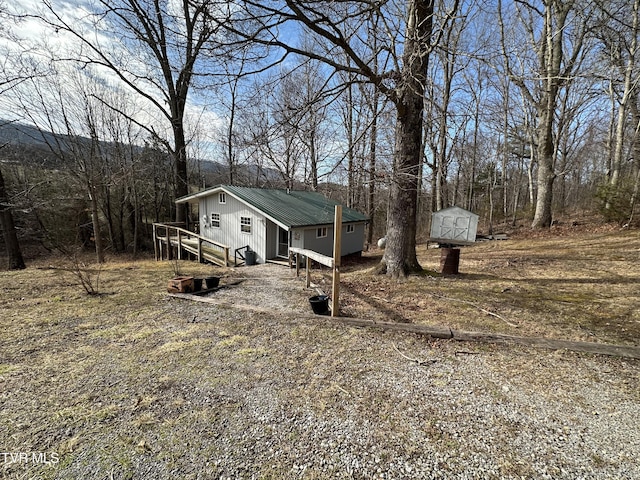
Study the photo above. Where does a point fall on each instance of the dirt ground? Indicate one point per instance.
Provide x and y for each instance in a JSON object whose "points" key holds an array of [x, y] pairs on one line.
{"points": [[130, 383]]}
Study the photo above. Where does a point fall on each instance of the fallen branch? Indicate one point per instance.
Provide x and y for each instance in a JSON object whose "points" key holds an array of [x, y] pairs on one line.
{"points": [[342, 389], [414, 360], [511, 324]]}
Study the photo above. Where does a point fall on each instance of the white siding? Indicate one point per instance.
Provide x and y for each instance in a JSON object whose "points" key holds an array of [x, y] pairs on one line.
{"points": [[264, 233], [229, 232]]}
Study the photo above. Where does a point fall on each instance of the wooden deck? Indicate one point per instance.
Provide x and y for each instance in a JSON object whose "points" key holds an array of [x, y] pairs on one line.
{"points": [[172, 238]]}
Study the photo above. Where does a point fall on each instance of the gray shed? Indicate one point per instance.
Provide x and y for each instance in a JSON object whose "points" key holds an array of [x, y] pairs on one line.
{"points": [[454, 226]]}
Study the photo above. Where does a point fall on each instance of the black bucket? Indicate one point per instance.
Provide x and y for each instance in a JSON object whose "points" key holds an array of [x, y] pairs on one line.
{"points": [[320, 304], [197, 284], [449, 260], [212, 282]]}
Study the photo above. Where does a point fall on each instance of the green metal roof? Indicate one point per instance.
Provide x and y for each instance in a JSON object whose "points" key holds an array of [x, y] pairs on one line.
{"points": [[293, 208]]}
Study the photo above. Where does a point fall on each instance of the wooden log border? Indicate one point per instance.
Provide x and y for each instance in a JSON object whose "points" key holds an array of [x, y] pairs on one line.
{"points": [[441, 332]]}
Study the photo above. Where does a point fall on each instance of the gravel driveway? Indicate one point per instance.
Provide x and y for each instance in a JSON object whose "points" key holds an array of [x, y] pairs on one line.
{"points": [[268, 286], [165, 388], [324, 401]]}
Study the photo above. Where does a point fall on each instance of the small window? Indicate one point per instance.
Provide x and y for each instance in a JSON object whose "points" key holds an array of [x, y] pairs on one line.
{"points": [[351, 228], [321, 232], [245, 224], [215, 220], [222, 197]]}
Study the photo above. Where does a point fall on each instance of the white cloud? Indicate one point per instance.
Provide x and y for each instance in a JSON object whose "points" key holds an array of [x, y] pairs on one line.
{"points": [[39, 40]]}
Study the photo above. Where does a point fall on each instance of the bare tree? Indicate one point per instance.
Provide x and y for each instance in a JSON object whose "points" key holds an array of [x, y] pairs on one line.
{"points": [[66, 104], [12, 73], [620, 38], [556, 58], [155, 48], [12, 245], [336, 26], [232, 102]]}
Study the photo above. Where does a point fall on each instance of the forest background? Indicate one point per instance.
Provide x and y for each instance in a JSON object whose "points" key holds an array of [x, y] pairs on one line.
{"points": [[529, 111]]}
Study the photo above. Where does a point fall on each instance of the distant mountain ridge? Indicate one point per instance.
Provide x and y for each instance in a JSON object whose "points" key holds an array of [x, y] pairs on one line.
{"points": [[29, 139], [14, 133]]}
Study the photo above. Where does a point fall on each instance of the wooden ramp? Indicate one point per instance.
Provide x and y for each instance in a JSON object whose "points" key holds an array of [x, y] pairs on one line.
{"points": [[168, 237]]}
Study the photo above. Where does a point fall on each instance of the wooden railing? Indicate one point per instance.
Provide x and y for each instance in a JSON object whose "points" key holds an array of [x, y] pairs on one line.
{"points": [[173, 235], [331, 262]]}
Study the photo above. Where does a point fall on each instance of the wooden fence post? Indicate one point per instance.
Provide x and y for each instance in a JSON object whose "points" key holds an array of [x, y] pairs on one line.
{"points": [[169, 250], [337, 250], [155, 243]]}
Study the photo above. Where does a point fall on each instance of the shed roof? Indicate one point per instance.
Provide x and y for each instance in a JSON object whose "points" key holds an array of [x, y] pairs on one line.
{"points": [[290, 208]]}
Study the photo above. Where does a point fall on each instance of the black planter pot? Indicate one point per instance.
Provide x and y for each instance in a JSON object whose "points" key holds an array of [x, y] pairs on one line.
{"points": [[212, 282], [320, 304]]}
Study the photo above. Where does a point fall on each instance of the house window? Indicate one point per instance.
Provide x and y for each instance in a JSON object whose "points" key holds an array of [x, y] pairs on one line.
{"points": [[222, 197], [245, 224], [351, 228], [321, 232], [215, 220]]}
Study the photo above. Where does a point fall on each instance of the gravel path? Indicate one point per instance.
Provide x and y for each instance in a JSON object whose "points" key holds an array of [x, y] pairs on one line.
{"points": [[186, 390], [270, 286], [332, 402]]}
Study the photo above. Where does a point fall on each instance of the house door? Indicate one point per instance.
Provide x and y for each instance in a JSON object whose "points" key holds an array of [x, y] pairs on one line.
{"points": [[283, 242]]}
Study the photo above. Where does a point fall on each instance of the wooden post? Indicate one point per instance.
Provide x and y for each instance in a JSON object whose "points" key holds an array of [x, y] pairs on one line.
{"points": [[297, 265], [308, 271], [169, 251], [337, 250], [226, 256], [179, 232], [199, 249], [155, 242]]}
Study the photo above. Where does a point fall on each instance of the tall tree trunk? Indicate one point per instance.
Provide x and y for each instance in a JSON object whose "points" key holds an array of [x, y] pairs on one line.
{"points": [[474, 157], [182, 182], [532, 162], [351, 174], [373, 140], [546, 174], [627, 98], [551, 56], [371, 208], [636, 157], [313, 156], [14, 253], [400, 252]]}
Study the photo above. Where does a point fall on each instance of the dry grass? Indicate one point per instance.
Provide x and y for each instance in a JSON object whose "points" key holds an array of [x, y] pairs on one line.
{"points": [[577, 287], [128, 383], [72, 365]]}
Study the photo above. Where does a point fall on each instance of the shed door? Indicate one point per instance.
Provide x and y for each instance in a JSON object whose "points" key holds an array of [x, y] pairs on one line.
{"points": [[283, 242]]}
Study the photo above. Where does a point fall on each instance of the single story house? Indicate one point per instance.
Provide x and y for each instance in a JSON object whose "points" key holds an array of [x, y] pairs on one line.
{"points": [[269, 221]]}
